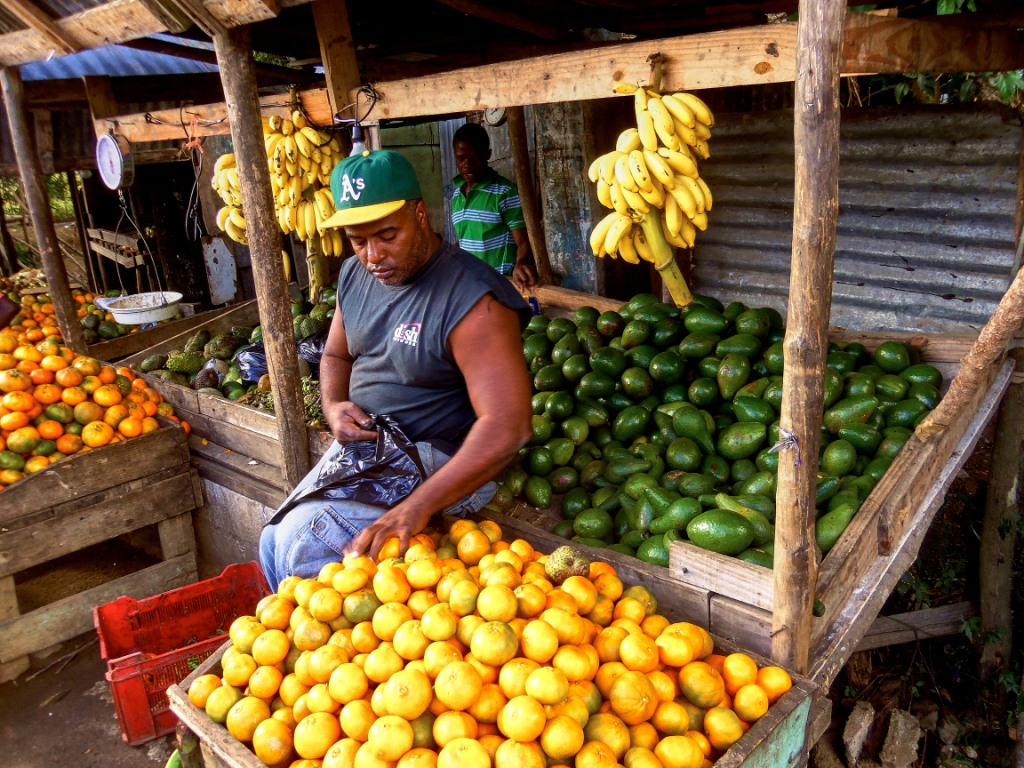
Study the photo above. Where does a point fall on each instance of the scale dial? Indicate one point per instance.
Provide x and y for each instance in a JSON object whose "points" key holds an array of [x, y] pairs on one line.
{"points": [[114, 161]]}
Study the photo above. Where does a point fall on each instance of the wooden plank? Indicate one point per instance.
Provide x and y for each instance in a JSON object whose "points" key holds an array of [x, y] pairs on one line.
{"points": [[913, 626], [244, 119], [217, 462], [123, 509], [230, 523], [72, 616], [721, 574], [743, 624], [337, 52], [176, 534], [81, 475], [245, 416], [815, 211], [106, 236], [9, 670], [123, 346], [891, 44], [43, 120], [946, 347], [32, 16], [564, 298], [123, 259], [226, 436]]}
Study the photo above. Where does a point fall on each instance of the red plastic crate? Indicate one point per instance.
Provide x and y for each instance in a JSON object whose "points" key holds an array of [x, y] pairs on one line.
{"points": [[152, 643]]}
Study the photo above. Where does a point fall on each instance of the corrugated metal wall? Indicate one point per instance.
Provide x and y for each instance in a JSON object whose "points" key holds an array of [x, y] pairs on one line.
{"points": [[927, 198]]}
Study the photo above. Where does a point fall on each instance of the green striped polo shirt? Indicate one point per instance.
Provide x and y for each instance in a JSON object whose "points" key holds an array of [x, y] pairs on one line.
{"points": [[485, 218]]}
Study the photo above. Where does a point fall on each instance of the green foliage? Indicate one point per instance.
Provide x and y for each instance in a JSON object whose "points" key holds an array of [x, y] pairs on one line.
{"points": [[57, 190]]}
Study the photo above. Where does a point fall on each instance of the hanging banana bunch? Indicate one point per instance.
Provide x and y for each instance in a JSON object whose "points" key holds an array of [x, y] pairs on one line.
{"points": [[652, 183], [300, 159]]}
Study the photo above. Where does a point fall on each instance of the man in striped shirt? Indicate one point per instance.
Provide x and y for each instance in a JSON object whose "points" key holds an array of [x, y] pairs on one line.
{"points": [[486, 211]]}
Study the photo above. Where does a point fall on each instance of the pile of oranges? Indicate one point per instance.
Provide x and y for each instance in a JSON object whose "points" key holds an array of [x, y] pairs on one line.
{"points": [[37, 319], [55, 403], [464, 653]]}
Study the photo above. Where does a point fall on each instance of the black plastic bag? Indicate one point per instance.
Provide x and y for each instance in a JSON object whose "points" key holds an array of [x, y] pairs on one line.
{"points": [[311, 349], [252, 362], [379, 472]]}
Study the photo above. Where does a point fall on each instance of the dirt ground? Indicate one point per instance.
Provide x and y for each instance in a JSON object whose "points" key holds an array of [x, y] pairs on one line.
{"points": [[64, 715]]}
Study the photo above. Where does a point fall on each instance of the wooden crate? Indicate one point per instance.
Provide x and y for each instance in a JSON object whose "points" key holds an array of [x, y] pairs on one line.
{"points": [[84, 500], [780, 739], [232, 443], [881, 542], [115, 349]]}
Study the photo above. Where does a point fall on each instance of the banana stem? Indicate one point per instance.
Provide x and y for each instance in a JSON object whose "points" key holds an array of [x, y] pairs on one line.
{"points": [[315, 266], [664, 260]]}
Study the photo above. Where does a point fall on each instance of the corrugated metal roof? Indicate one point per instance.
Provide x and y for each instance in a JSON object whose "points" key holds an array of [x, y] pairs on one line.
{"points": [[925, 236], [114, 61]]}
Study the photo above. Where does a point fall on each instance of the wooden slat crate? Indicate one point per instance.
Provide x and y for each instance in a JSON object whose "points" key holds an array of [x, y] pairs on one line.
{"points": [[881, 542], [780, 739], [115, 349], [84, 500]]}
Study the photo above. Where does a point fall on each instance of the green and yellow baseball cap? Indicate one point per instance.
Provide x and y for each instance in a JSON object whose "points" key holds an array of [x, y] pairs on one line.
{"points": [[370, 186]]}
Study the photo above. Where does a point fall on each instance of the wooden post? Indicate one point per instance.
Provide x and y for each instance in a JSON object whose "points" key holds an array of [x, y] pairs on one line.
{"points": [[527, 193], [999, 531], [39, 208], [815, 210], [237, 72], [337, 51]]}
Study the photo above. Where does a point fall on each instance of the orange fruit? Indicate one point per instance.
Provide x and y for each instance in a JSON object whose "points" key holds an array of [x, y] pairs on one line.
{"points": [[630, 608], [723, 727], [583, 592], [69, 377], [574, 662], [73, 396], [69, 444], [750, 702], [488, 672], [486, 708], [87, 412], [539, 641], [272, 741], [47, 394], [632, 697], [562, 737], [522, 719], [237, 668], [439, 654], [355, 719], [738, 669], [681, 751], [270, 647], [494, 642], [324, 660], [568, 626], [458, 685], [408, 693], [9, 422], [453, 724], [607, 584], [548, 685], [638, 652], [472, 546], [409, 641], [674, 646], [391, 586], [388, 618], [701, 684], [310, 634], [514, 674], [642, 735], [774, 681], [463, 753], [265, 682], [201, 688], [463, 596], [390, 737], [315, 733], [245, 715], [671, 718], [382, 662], [609, 730]]}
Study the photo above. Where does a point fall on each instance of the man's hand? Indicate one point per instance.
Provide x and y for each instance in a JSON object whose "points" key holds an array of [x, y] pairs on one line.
{"points": [[524, 276], [400, 521], [350, 423]]}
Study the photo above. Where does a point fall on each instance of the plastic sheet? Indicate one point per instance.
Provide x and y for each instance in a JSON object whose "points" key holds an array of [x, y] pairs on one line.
{"points": [[252, 362], [379, 472]]}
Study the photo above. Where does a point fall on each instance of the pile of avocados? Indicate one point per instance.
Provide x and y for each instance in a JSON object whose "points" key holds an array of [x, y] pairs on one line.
{"points": [[655, 423]]}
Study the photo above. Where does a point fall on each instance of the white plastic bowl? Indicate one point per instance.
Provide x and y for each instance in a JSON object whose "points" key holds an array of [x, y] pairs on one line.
{"points": [[139, 308]]}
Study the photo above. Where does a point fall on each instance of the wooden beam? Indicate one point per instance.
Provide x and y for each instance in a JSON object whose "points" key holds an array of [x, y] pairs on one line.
{"points": [[815, 211], [119, 20], [528, 193], [961, 43], [102, 104], [265, 72], [337, 52], [35, 18], [43, 121], [200, 16], [34, 193], [170, 15], [265, 248], [914, 626], [506, 18]]}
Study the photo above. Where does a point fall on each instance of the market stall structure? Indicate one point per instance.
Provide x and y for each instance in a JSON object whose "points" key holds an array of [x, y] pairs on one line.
{"points": [[833, 44]]}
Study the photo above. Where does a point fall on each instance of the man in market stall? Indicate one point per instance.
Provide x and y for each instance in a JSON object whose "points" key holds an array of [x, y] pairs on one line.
{"points": [[426, 334], [486, 211]]}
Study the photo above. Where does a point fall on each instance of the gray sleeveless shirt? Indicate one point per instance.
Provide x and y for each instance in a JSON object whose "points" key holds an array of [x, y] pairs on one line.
{"points": [[398, 336]]}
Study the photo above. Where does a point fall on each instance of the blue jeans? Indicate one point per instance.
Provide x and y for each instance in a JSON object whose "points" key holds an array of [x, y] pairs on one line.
{"points": [[316, 532]]}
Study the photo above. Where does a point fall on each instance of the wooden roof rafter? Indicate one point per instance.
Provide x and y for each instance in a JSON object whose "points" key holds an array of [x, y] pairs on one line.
{"points": [[36, 19]]}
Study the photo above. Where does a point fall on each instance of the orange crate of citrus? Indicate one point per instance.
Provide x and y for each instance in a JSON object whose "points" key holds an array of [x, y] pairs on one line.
{"points": [[55, 403], [473, 652]]}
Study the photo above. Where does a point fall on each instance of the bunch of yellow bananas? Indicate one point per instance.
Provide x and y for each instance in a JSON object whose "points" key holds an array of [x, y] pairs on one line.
{"points": [[654, 168], [300, 159]]}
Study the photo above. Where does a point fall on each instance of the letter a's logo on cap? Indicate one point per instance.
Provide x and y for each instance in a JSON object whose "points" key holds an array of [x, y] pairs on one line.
{"points": [[351, 189]]}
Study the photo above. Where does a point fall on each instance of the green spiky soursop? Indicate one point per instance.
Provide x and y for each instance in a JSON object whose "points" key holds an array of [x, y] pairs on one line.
{"points": [[222, 346], [241, 332], [321, 312], [198, 341], [564, 562], [187, 363]]}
